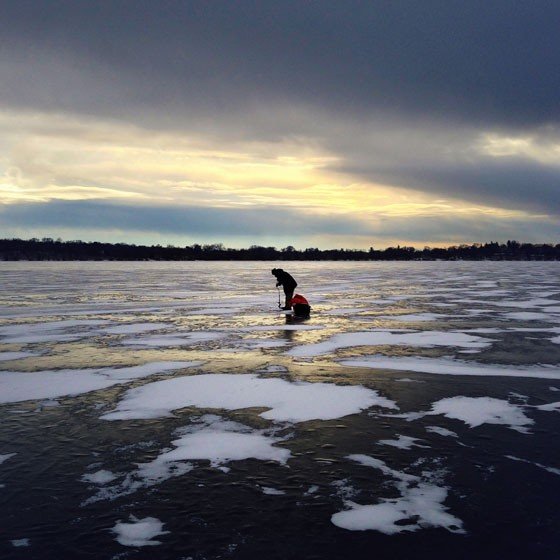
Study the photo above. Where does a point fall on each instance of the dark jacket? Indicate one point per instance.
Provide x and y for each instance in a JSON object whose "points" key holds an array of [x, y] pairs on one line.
{"points": [[284, 279]]}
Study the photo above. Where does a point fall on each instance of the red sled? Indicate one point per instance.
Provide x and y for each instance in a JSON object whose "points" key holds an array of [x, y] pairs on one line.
{"points": [[300, 305]]}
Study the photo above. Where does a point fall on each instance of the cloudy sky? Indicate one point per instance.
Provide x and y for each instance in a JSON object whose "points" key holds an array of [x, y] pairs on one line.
{"points": [[309, 123]]}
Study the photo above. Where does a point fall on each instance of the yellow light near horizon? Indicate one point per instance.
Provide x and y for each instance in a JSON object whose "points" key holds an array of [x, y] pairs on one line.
{"points": [[51, 157]]}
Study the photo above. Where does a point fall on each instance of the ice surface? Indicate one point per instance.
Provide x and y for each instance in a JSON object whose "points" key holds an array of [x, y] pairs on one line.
{"points": [[178, 339], [24, 386], [345, 311], [136, 328], [5, 356], [295, 327], [139, 532], [129, 313], [288, 402], [217, 311], [145, 370], [449, 366], [254, 343], [415, 317], [425, 339], [420, 506]]}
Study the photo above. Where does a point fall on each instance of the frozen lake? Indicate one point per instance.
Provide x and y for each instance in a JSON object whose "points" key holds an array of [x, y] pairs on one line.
{"points": [[170, 411]]}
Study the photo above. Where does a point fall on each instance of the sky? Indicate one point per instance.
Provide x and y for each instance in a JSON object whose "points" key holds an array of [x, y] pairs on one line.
{"points": [[312, 123]]}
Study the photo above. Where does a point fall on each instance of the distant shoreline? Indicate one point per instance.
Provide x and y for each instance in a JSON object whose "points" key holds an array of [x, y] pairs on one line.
{"points": [[47, 249]]}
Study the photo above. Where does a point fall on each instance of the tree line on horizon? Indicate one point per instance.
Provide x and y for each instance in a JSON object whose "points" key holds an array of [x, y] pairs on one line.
{"points": [[47, 249]]}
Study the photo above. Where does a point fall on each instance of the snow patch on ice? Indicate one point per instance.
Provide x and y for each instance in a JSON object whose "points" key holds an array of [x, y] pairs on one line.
{"points": [[544, 467], [272, 491], [550, 407], [402, 442], [449, 366], [218, 444], [139, 532], [168, 340], [344, 489], [287, 402], [53, 331], [209, 438], [475, 411], [6, 456], [99, 477], [24, 386], [311, 490], [419, 506], [528, 316], [551, 309], [441, 431], [21, 542], [424, 339], [5, 356], [368, 461]]}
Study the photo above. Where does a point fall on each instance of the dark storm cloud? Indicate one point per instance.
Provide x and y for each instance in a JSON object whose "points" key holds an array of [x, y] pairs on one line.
{"points": [[474, 60], [359, 78], [206, 222], [500, 182]]}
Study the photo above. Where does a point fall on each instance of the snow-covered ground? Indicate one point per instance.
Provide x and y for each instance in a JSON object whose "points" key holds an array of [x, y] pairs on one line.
{"points": [[172, 405]]}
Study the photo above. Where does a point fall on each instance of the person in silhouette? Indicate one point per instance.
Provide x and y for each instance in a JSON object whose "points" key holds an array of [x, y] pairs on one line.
{"points": [[288, 283]]}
